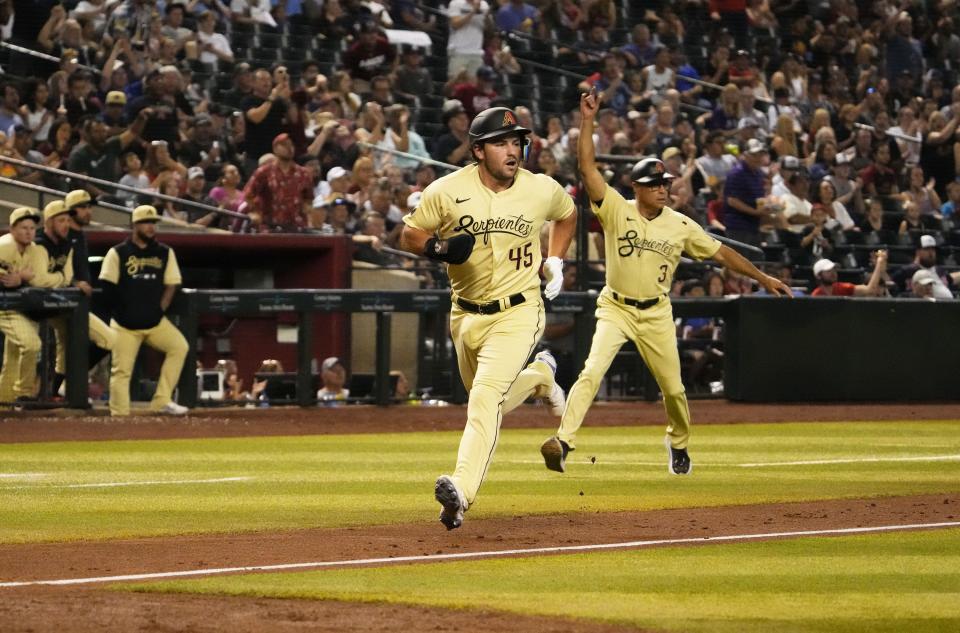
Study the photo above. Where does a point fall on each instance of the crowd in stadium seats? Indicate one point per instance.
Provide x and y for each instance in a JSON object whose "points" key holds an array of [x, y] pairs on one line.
{"points": [[825, 132]]}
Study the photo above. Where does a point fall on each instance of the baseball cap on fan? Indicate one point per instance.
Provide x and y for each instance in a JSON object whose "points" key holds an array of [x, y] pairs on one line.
{"points": [[755, 147], [822, 266], [452, 108], [331, 362], [486, 73], [670, 152], [336, 172], [928, 241], [923, 277]]}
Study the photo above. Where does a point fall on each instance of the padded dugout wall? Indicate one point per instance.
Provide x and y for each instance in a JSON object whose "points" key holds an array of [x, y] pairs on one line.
{"points": [[836, 349]]}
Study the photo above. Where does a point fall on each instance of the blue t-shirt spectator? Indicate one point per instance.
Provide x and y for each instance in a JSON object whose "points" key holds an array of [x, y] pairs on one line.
{"points": [[621, 98], [511, 16], [746, 185], [687, 71], [948, 208], [294, 7]]}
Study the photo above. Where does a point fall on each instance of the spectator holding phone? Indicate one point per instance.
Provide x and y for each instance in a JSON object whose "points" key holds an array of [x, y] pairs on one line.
{"points": [[264, 110], [162, 122]]}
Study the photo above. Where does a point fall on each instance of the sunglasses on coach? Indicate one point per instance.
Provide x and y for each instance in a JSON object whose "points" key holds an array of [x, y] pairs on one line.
{"points": [[663, 183]]}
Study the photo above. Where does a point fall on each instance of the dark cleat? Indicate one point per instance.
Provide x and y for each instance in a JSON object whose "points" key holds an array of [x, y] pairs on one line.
{"points": [[554, 452], [678, 461], [447, 495]]}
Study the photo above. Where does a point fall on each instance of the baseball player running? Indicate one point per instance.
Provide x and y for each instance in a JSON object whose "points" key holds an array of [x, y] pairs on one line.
{"points": [[140, 277], [484, 222], [22, 263], [644, 240]]}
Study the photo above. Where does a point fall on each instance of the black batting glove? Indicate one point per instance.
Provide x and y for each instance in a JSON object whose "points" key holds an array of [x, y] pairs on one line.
{"points": [[455, 250]]}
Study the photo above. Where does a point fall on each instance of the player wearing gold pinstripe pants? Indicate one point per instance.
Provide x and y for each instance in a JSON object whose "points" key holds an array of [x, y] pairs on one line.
{"points": [[643, 243], [484, 221], [22, 263]]}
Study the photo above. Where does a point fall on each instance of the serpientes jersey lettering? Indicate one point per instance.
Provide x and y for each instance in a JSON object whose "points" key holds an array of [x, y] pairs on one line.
{"points": [[140, 275], [506, 257], [642, 254]]}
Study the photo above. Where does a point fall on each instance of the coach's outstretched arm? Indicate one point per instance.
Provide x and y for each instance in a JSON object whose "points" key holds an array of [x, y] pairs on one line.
{"points": [[736, 262], [586, 154]]}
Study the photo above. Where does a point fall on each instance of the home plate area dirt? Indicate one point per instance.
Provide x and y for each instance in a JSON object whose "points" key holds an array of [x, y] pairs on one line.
{"points": [[92, 608]]}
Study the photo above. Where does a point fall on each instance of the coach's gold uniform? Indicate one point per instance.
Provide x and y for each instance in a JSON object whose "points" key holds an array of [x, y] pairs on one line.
{"points": [[501, 277], [641, 257], [140, 275], [18, 377]]}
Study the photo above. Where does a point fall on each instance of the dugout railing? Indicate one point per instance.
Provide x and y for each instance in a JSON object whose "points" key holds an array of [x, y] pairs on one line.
{"points": [[786, 350], [73, 304], [191, 304], [776, 350]]}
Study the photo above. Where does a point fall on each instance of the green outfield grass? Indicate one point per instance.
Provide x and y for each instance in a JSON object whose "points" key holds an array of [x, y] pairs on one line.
{"points": [[880, 583], [327, 481]]}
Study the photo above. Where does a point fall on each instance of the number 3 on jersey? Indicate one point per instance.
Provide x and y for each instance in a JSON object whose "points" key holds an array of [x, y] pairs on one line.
{"points": [[522, 255]]}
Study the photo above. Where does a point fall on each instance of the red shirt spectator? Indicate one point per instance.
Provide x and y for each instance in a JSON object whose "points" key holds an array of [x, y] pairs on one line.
{"points": [[477, 97], [279, 194], [370, 55], [825, 274], [838, 289]]}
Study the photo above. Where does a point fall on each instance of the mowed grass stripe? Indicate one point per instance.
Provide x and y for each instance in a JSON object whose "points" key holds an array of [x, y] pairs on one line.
{"points": [[880, 583], [347, 480]]}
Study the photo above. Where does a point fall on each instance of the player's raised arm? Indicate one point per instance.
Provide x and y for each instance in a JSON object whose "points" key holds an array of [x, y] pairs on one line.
{"points": [[586, 154]]}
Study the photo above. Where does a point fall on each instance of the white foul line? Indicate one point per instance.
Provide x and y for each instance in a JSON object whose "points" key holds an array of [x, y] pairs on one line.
{"points": [[22, 475], [811, 462], [858, 460], [119, 484], [487, 554]]}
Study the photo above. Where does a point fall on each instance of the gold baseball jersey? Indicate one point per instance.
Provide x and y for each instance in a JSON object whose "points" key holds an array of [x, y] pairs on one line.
{"points": [[110, 269], [506, 257], [642, 254], [34, 257]]}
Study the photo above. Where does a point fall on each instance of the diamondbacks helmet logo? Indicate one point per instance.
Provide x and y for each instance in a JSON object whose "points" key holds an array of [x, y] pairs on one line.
{"points": [[495, 122], [650, 171]]}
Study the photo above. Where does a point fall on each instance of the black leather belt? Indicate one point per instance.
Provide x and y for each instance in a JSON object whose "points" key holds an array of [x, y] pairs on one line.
{"points": [[490, 308], [639, 305]]}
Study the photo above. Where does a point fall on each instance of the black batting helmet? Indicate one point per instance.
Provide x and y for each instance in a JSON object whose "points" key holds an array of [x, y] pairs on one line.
{"points": [[650, 172], [494, 122]]}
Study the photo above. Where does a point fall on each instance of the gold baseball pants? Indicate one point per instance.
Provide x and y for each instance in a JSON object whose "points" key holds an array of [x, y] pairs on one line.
{"points": [[164, 337], [21, 345], [492, 353], [654, 333]]}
